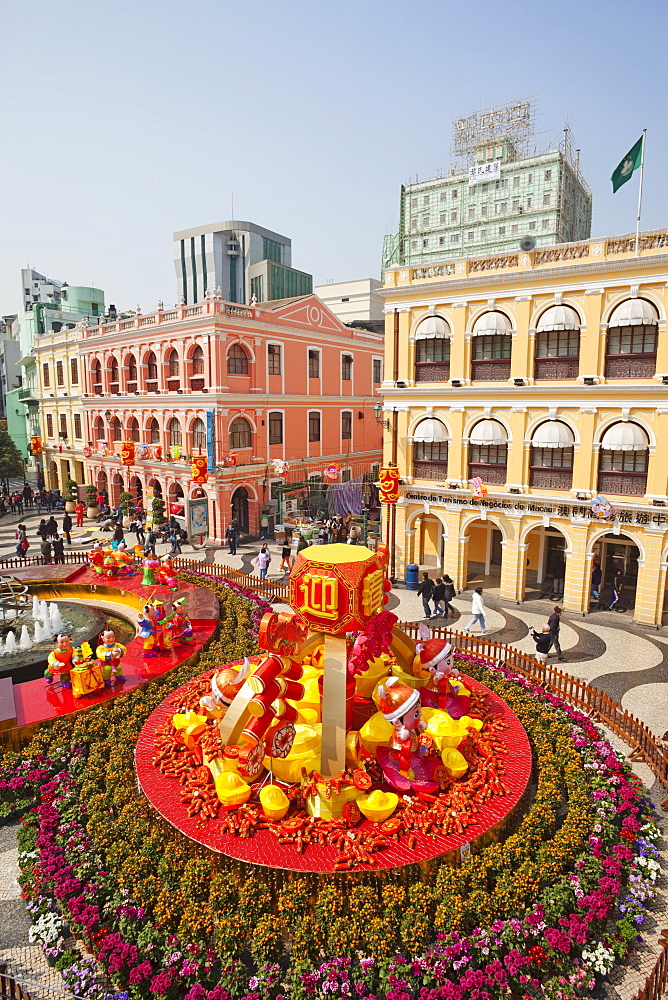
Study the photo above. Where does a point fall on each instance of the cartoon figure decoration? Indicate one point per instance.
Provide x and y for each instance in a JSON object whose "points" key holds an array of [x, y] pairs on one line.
{"points": [[60, 661], [225, 685], [406, 763], [603, 509], [478, 488], [96, 558], [435, 659], [109, 655], [166, 574], [179, 622], [157, 639], [114, 560], [86, 675], [150, 567]]}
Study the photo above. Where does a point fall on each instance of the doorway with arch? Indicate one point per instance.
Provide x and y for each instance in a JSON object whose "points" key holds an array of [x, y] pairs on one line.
{"points": [[545, 564], [240, 507], [484, 554], [614, 554]]}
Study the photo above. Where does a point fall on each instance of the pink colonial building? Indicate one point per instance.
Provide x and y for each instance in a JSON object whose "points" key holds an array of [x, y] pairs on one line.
{"points": [[244, 385]]}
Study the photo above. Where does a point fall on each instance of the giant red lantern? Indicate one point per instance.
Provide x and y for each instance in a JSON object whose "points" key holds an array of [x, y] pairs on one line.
{"points": [[337, 588], [36, 444], [199, 469], [128, 452], [389, 485]]}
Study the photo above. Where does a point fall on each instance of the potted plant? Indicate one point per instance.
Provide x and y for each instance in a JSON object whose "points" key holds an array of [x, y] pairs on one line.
{"points": [[126, 500], [71, 491], [158, 510], [92, 509]]}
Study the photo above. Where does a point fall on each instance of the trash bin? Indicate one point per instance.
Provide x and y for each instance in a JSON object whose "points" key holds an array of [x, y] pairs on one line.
{"points": [[412, 577]]}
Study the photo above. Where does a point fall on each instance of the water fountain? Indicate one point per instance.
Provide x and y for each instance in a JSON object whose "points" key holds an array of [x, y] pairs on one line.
{"points": [[35, 607], [25, 642], [55, 622], [10, 643], [41, 632]]}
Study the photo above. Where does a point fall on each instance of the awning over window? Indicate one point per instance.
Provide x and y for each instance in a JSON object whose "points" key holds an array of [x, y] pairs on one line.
{"points": [[431, 328], [552, 434], [431, 432], [559, 318], [625, 437], [634, 312], [491, 323], [487, 432]]}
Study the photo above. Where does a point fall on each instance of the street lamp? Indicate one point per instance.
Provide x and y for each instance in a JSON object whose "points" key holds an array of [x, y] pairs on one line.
{"points": [[377, 410]]}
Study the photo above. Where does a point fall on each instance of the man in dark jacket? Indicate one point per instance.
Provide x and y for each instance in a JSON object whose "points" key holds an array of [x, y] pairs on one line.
{"points": [[45, 549], [67, 527], [553, 623], [448, 595], [52, 526], [58, 550], [425, 591], [437, 595]]}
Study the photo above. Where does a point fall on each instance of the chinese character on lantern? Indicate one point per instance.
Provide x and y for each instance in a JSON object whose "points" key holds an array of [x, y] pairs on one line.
{"points": [[389, 485], [199, 470], [337, 594], [128, 452]]}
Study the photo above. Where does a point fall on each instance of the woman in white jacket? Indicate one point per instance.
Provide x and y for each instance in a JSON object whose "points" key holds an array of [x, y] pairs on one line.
{"points": [[477, 611]]}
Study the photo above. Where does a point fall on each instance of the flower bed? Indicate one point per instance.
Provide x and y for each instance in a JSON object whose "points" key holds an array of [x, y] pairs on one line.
{"points": [[543, 914]]}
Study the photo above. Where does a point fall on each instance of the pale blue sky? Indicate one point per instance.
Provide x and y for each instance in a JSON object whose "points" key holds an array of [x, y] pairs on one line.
{"points": [[125, 120]]}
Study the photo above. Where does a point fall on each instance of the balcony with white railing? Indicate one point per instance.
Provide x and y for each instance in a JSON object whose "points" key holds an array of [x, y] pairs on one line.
{"points": [[214, 305]]}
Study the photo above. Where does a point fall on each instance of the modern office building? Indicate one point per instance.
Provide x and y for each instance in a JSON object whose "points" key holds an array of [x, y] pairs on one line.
{"points": [[358, 301], [273, 395], [543, 375], [238, 259], [500, 190]]}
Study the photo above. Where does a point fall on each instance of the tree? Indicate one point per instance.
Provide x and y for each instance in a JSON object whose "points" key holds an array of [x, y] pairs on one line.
{"points": [[11, 461]]}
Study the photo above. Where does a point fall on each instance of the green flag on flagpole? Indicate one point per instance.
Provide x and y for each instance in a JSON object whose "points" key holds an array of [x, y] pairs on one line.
{"points": [[624, 171]]}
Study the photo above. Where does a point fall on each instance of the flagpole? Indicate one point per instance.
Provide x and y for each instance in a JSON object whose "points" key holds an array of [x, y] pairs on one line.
{"points": [[642, 170]]}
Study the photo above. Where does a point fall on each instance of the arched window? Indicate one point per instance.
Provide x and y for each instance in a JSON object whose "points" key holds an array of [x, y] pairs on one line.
{"points": [[552, 456], [557, 344], [113, 375], [116, 430], [240, 434], [197, 361], [237, 360], [152, 369], [623, 460], [173, 364], [491, 348], [96, 376], [131, 366], [432, 350], [174, 432], [199, 434], [631, 344], [153, 432], [488, 451], [430, 450], [99, 429], [133, 429]]}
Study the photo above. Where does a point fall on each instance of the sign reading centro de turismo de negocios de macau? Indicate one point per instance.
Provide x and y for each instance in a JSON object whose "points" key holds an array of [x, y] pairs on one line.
{"points": [[559, 510]]}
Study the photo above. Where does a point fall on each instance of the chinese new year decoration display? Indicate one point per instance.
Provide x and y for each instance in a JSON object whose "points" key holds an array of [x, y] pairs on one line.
{"points": [[199, 471], [128, 453], [478, 488], [389, 485], [603, 509], [229, 461], [36, 445], [337, 736], [331, 472], [280, 466]]}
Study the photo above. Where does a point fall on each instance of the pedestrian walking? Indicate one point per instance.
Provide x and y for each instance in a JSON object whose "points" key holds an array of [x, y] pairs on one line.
{"points": [[448, 595], [80, 510], [22, 543], [596, 578], [285, 557], [138, 528], [262, 561], [45, 549], [37, 499], [151, 539], [554, 622], [119, 534], [52, 526], [27, 495], [477, 611], [437, 596], [231, 536], [616, 588], [175, 541], [58, 549], [264, 526], [425, 591], [18, 503], [543, 641], [67, 527], [43, 530]]}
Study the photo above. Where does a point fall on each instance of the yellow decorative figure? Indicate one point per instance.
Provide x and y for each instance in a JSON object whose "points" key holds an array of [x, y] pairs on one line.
{"points": [[274, 802], [86, 675], [378, 806], [454, 763], [231, 789]]}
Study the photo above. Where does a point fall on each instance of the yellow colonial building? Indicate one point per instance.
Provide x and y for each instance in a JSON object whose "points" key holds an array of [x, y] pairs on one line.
{"points": [[545, 376], [61, 417]]}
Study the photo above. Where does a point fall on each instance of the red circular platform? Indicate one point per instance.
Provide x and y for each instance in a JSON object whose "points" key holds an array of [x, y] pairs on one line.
{"points": [[262, 848]]}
